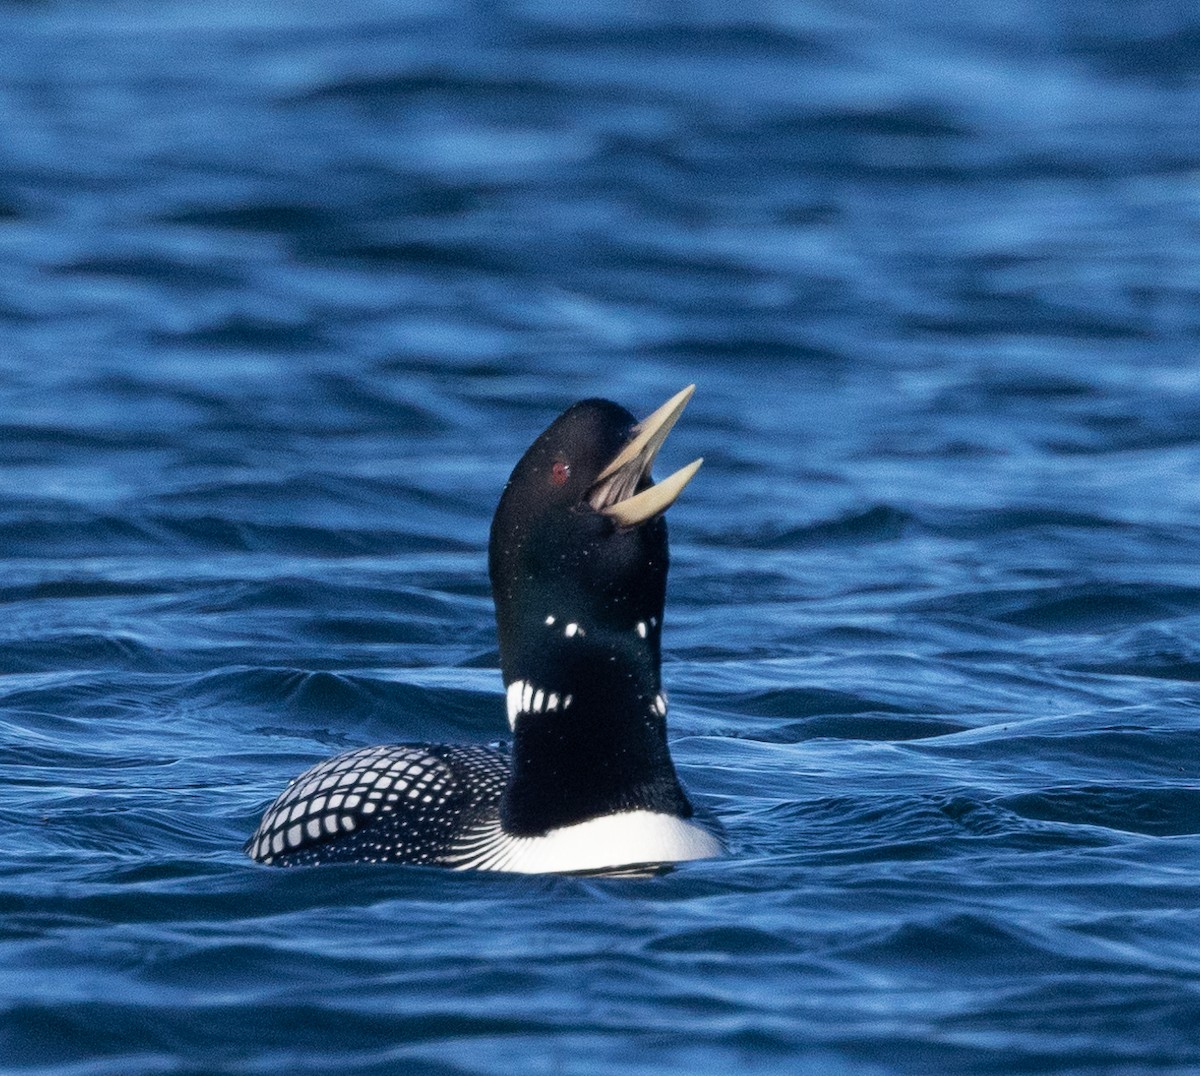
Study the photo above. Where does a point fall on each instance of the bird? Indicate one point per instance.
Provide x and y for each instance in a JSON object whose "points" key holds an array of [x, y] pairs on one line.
{"points": [[578, 559]]}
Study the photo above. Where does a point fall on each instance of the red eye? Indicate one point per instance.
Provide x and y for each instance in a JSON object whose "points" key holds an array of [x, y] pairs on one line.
{"points": [[560, 472]]}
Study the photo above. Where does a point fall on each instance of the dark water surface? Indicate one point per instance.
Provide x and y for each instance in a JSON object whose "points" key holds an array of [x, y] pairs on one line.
{"points": [[285, 292]]}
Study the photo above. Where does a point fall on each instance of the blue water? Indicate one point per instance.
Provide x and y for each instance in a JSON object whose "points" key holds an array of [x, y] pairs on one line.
{"points": [[284, 294]]}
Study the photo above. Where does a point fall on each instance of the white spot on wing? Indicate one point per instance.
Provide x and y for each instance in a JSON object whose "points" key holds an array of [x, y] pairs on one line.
{"points": [[570, 630], [538, 698], [641, 628], [549, 620]]}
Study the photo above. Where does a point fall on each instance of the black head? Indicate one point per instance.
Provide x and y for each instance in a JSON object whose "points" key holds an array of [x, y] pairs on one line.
{"points": [[579, 533]]}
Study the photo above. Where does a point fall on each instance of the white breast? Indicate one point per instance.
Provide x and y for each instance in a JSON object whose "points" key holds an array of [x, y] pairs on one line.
{"points": [[631, 838]]}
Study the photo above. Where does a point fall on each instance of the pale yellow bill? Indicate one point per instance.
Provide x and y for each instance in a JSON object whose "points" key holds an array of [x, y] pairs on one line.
{"points": [[650, 433], [655, 500]]}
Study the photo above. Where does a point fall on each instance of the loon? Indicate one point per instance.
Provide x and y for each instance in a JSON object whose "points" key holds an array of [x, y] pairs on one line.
{"points": [[578, 562]]}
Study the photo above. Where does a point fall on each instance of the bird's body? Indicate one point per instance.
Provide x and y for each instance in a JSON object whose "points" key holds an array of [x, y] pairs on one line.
{"points": [[578, 559]]}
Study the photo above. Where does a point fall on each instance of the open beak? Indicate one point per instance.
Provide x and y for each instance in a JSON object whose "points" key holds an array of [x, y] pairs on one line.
{"points": [[613, 492]]}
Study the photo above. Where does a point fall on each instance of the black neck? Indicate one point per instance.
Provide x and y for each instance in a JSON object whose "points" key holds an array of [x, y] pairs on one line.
{"points": [[607, 750]]}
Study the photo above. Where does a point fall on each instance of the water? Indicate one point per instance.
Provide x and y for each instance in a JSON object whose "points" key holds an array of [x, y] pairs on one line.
{"points": [[285, 294]]}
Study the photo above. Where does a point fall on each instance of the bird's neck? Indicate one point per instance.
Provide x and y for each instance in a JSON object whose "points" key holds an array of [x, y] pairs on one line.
{"points": [[588, 715]]}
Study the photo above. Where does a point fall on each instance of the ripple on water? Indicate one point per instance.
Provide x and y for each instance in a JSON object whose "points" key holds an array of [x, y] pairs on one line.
{"points": [[287, 293]]}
